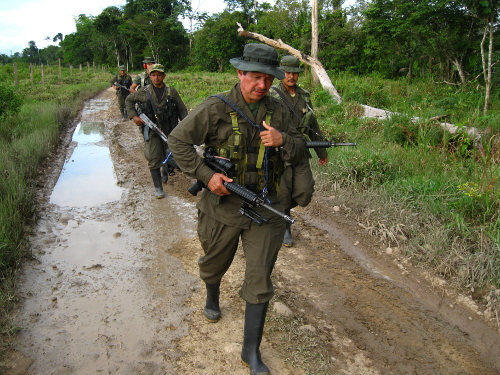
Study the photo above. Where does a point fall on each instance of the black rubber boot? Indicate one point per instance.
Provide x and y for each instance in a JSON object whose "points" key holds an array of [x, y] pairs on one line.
{"points": [[164, 174], [124, 114], [287, 239], [156, 175], [212, 309], [255, 317]]}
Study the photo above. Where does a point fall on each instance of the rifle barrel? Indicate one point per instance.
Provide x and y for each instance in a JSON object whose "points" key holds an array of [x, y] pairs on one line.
{"points": [[326, 144], [254, 199]]}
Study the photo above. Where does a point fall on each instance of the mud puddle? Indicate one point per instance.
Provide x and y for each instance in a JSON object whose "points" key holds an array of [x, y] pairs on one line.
{"points": [[91, 291], [88, 177]]}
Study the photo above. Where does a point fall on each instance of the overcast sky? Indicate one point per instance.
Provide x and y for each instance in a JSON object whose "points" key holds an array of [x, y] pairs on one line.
{"points": [[24, 20]]}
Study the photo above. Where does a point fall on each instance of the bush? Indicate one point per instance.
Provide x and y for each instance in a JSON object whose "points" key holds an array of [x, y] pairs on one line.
{"points": [[10, 101]]}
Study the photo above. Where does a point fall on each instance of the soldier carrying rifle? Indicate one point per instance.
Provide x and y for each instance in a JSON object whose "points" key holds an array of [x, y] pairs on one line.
{"points": [[163, 105], [297, 184], [252, 130], [121, 83]]}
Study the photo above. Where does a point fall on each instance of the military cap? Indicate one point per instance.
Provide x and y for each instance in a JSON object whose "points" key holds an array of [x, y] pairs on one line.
{"points": [[258, 58], [122, 67], [290, 64], [157, 68], [148, 59]]}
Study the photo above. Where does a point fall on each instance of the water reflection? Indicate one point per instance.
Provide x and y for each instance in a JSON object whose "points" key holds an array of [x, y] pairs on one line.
{"points": [[88, 177]]}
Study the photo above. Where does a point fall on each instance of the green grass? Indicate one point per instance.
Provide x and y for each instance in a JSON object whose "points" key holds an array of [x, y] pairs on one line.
{"points": [[433, 194]]}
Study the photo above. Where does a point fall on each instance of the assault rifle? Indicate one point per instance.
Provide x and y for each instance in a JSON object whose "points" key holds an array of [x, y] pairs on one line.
{"points": [[122, 88], [153, 127], [250, 199], [326, 144], [169, 163]]}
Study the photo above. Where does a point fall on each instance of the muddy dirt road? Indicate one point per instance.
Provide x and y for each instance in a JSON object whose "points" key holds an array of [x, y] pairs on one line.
{"points": [[112, 285]]}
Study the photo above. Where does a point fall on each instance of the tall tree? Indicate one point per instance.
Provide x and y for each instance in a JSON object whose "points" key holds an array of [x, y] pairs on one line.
{"points": [[31, 54], [108, 24], [487, 11], [217, 42]]}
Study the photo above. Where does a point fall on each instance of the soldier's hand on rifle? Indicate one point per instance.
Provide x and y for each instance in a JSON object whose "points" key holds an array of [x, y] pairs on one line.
{"points": [[138, 121], [322, 161], [216, 184], [271, 137]]}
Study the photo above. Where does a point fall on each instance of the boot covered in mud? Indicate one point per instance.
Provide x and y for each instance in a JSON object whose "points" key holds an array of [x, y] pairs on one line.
{"points": [[255, 317], [156, 175], [288, 239], [124, 114], [212, 309], [164, 174]]}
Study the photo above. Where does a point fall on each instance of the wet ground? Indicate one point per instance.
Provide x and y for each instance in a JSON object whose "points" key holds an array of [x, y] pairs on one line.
{"points": [[112, 286]]}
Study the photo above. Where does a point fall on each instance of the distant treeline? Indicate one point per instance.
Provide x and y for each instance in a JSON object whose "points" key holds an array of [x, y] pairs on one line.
{"points": [[450, 40]]}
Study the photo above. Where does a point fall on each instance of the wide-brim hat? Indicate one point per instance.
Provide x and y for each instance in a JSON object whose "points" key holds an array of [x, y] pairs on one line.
{"points": [[290, 64], [157, 68], [148, 59], [258, 58]]}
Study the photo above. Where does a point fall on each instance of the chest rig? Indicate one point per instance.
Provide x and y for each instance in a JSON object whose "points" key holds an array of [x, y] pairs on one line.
{"points": [[166, 116], [258, 168]]}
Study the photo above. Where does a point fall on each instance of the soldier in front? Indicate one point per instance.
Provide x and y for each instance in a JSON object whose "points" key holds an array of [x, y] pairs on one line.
{"points": [[253, 130]]}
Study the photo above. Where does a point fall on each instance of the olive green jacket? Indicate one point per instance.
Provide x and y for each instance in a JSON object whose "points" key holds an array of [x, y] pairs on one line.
{"points": [[210, 124], [125, 80], [301, 103], [141, 96]]}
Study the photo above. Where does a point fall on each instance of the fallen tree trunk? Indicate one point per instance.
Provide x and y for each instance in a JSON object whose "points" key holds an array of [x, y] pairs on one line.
{"points": [[315, 64]]}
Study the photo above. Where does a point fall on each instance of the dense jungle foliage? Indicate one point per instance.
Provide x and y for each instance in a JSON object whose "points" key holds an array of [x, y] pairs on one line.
{"points": [[447, 40]]}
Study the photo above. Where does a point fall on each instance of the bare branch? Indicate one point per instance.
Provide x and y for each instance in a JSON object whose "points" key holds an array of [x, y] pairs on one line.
{"points": [[315, 64]]}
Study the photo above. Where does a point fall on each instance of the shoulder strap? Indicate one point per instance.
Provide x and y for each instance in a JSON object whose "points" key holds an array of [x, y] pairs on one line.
{"points": [[235, 106], [150, 98], [287, 102]]}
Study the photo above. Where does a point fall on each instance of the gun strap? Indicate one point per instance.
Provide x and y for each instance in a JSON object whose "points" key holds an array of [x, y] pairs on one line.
{"points": [[235, 106], [287, 102]]}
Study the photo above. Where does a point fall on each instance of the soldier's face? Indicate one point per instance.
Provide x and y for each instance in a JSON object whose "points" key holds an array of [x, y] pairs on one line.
{"points": [[290, 79], [148, 65], [254, 85], [157, 78]]}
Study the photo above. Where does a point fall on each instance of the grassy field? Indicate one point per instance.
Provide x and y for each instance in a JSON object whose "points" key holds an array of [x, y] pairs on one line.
{"points": [[432, 195]]}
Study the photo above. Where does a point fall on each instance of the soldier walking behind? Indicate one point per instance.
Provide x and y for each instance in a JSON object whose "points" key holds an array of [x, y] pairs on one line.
{"points": [[124, 80], [297, 183], [142, 79], [163, 105]]}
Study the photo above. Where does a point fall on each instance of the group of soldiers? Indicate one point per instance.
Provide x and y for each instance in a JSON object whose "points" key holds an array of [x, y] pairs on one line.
{"points": [[262, 131]]}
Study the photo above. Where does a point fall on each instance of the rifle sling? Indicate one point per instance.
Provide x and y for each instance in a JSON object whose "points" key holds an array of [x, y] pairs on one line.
{"points": [[287, 102]]}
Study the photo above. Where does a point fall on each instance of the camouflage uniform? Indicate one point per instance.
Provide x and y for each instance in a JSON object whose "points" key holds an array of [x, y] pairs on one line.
{"points": [[223, 126], [142, 80], [297, 183], [122, 93], [162, 105], [154, 147]]}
